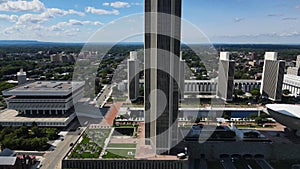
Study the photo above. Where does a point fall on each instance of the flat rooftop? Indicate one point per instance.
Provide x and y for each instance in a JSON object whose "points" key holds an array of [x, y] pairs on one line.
{"points": [[12, 116], [44, 88], [285, 109]]}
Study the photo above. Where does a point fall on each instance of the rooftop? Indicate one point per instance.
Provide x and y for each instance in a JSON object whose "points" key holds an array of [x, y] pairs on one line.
{"points": [[8, 161], [44, 88], [286, 109], [12, 116]]}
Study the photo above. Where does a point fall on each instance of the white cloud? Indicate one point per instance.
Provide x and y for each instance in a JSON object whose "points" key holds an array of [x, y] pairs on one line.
{"points": [[11, 18], [101, 11], [34, 18], [60, 12], [22, 6], [136, 3], [106, 4], [11, 30], [118, 4], [73, 22], [48, 14], [238, 19]]}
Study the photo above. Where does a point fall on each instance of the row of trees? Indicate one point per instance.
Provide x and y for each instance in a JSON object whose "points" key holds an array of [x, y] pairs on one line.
{"points": [[31, 138]]}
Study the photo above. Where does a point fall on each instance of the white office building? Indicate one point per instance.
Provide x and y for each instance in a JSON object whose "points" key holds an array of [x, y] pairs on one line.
{"points": [[272, 78], [44, 97], [133, 76]]}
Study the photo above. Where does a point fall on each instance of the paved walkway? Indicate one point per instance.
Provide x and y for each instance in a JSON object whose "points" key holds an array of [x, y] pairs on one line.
{"points": [[142, 150], [119, 148], [106, 143], [111, 114]]}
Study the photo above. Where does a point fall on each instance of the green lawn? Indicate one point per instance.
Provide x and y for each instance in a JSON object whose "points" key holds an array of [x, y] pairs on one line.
{"points": [[85, 155], [119, 153], [121, 146]]}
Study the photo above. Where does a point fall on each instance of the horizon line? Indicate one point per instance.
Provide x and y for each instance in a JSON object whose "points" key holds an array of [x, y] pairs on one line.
{"points": [[213, 43]]}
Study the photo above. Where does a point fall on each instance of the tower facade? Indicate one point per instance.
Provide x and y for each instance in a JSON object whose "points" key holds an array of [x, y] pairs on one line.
{"points": [[181, 76], [133, 76], [226, 77], [162, 50], [272, 78], [21, 77]]}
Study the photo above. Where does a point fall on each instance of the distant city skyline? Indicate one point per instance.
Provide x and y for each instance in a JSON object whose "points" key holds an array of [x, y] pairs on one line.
{"points": [[231, 21]]}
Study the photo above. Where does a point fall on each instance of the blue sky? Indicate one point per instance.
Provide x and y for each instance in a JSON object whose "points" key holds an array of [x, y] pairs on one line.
{"points": [[221, 21]]}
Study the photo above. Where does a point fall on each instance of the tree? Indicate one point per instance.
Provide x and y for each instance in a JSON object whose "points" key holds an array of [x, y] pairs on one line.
{"points": [[286, 92], [34, 124], [252, 116], [198, 119], [255, 92], [237, 92]]}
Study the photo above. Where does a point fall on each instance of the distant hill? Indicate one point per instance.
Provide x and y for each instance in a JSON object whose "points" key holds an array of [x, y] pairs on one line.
{"points": [[34, 43]]}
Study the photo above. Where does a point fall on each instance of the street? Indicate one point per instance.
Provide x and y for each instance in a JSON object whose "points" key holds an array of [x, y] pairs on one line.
{"points": [[53, 158], [101, 100]]}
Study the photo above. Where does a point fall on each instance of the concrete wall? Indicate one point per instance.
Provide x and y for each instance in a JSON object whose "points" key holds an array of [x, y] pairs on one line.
{"points": [[271, 151], [124, 164]]}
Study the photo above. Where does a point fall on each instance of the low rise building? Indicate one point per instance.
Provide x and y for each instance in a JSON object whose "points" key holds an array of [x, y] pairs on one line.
{"points": [[44, 97]]}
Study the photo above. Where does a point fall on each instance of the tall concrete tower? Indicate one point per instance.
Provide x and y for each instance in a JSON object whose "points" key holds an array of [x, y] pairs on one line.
{"points": [[181, 76], [162, 50], [272, 78], [133, 76], [226, 77], [21, 77]]}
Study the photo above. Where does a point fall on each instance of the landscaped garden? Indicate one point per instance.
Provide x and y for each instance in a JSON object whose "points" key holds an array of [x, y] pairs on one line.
{"points": [[91, 144], [120, 151]]}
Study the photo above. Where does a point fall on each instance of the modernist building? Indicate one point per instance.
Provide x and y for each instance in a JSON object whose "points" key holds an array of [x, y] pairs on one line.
{"points": [[226, 77], [295, 70], [286, 114], [181, 76], [292, 83], [21, 77], [209, 87], [44, 97], [162, 51], [133, 76], [272, 78]]}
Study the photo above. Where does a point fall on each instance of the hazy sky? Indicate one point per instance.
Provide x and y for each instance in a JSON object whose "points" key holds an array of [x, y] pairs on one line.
{"points": [[221, 21]]}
